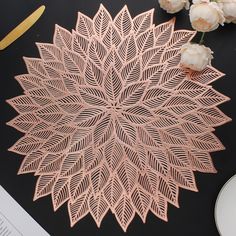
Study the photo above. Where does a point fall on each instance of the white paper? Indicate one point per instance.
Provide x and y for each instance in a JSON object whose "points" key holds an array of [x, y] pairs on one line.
{"points": [[14, 220]]}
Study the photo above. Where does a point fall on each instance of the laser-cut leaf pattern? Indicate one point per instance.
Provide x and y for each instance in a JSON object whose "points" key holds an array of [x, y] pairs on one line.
{"points": [[101, 21], [79, 208], [141, 201], [62, 38], [123, 22], [44, 185], [159, 207], [111, 121], [99, 178], [98, 208], [113, 191], [49, 52], [124, 212], [163, 32], [60, 192], [31, 162], [78, 185], [84, 26]]}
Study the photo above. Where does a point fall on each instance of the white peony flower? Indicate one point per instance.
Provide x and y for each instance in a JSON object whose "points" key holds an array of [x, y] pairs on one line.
{"points": [[173, 6], [229, 10], [206, 16], [195, 56]]}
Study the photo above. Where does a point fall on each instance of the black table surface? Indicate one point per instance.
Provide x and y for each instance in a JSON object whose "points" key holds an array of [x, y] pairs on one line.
{"points": [[196, 213]]}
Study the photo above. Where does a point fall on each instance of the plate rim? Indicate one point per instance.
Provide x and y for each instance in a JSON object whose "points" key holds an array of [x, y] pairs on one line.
{"points": [[217, 200]]}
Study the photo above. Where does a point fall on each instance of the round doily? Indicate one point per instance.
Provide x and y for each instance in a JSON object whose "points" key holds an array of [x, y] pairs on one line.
{"points": [[112, 122]]}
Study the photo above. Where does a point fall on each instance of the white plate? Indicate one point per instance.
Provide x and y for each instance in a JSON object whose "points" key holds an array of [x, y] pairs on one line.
{"points": [[225, 209]]}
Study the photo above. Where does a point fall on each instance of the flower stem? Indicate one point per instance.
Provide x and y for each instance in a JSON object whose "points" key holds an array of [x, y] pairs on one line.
{"points": [[202, 38]]}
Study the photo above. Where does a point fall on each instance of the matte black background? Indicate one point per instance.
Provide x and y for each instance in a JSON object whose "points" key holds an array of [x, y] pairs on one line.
{"points": [[196, 214]]}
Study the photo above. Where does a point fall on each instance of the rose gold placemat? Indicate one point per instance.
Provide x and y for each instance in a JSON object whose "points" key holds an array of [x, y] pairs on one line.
{"points": [[112, 122]]}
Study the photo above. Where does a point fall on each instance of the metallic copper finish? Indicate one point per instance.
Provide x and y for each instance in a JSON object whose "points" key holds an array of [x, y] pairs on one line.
{"points": [[112, 122]]}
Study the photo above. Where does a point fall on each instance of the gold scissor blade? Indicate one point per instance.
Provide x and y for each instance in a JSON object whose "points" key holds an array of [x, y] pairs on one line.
{"points": [[21, 28]]}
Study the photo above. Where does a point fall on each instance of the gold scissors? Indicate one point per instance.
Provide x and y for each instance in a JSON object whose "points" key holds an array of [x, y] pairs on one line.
{"points": [[21, 28]]}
